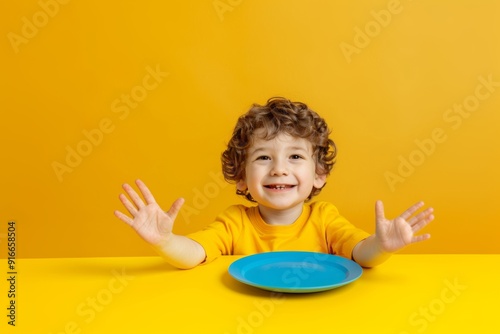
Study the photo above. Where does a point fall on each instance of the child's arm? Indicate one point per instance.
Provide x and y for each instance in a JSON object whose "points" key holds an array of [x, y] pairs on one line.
{"points": [[155, 226], [391, 235]]}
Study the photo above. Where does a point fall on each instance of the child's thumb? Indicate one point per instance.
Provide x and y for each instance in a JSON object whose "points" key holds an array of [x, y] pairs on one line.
{"points": [[175, 208]]}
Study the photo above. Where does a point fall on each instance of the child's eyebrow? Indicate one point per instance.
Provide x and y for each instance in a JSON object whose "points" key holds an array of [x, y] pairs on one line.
{"points": [[298, 148], [256, 150], [291, 148]]}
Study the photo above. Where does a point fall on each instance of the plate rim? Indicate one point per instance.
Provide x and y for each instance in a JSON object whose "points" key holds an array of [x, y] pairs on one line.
{"points": [[354, 270]]}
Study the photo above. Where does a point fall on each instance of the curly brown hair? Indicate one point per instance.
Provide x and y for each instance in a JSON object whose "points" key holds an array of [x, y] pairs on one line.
{"points": [[278, 116]]}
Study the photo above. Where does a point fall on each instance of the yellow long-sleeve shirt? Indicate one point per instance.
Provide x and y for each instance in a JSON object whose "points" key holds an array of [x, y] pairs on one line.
{"points": [[240, 230]]}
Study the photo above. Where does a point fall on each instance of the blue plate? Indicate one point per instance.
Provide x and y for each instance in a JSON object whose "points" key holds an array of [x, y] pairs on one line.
{"points": [[294, 271]]}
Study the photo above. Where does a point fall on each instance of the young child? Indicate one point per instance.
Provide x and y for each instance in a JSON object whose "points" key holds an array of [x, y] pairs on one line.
{"points": [[279, 157]]}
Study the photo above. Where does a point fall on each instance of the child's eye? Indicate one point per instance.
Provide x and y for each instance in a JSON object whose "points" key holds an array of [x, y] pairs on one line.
{"points": [[295, 156], [263, 157]]}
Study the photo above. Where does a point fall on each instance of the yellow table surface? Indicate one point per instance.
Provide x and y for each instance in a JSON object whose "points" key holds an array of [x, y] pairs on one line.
{"points": [[407, 294]]}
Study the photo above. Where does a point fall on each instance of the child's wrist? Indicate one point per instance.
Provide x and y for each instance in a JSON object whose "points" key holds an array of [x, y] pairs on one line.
{"points": [[379, 246], [163, 242]]}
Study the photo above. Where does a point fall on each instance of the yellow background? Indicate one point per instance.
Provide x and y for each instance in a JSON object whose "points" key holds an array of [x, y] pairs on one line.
{"points": [[65, 78]]}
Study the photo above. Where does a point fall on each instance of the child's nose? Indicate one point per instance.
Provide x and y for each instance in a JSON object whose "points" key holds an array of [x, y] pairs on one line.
{"points": [[278, 169]]}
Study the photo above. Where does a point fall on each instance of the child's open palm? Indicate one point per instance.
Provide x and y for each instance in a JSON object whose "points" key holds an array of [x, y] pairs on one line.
{"points": [[400, 232], [149, 220]]}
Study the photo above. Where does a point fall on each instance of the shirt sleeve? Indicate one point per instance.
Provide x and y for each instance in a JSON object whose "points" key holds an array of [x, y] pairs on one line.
{"points": [[341, 235], [217, 238]]}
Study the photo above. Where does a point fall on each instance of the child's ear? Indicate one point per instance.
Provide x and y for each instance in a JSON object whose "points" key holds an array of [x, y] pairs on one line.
{"points": [[241, 185], [319, 181]]}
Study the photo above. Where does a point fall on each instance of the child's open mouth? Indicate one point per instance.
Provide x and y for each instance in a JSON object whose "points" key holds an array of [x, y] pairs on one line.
{"points": [[279, 186]]}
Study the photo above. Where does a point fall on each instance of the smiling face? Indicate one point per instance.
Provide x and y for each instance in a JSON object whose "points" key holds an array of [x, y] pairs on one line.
{"points": [[280, 173]]}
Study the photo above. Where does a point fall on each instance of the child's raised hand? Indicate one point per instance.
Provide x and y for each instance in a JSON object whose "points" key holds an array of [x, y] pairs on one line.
{"points": [[397, 233], [149, 220]]}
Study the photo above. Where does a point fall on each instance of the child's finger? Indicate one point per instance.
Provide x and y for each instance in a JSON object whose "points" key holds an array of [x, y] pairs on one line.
{"points": [[422, 223], [148, 196], [411, 210], [379, 210], [134, 196], [124, 218], [129, 206], [419, 238], [420, 216], [175, 208]]}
